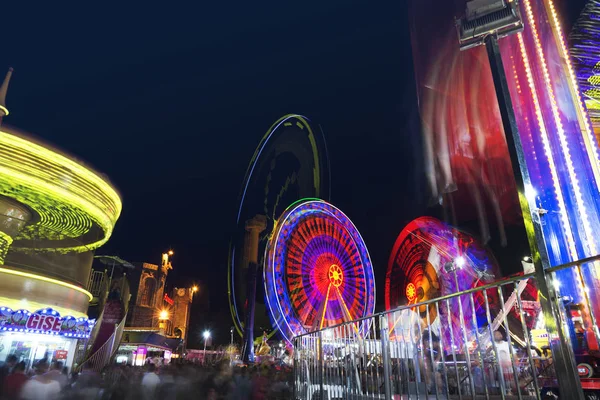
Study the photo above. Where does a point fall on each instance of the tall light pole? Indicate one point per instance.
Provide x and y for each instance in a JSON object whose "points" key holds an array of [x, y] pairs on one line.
{"points": [[206, 336]]}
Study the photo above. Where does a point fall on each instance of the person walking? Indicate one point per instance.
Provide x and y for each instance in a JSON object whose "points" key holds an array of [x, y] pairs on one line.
{"points": [[14, 382], [150, 382], [40, 387]]}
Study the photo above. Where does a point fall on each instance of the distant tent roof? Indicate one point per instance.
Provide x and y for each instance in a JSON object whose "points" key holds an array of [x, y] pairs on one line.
{"points": [[150, 339], [114, 260]]}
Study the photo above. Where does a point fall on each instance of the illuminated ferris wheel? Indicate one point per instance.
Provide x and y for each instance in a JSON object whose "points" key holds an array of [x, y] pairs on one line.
{"points": [[431, 259], [318, 272], [290, 163]]}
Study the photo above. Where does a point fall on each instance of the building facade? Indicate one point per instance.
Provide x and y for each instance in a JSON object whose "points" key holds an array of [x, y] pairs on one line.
{"points": [[148, 297], [158, 320]]}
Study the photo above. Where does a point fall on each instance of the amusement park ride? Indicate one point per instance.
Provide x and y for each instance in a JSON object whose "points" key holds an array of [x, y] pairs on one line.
{"points": [[54, 213], [290, 163], [524, 120], [317, 271]]}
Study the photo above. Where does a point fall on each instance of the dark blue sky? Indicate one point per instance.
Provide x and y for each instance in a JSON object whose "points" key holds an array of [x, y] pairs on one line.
{"points": [[170, 101]]}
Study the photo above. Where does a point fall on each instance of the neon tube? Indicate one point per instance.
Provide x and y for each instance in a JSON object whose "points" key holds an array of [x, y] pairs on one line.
{"points": [[45, 279], [560, 131], [548, 151]]}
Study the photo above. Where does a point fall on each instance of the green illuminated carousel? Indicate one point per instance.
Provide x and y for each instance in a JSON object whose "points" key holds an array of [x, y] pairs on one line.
{"points": [[54, 212]]}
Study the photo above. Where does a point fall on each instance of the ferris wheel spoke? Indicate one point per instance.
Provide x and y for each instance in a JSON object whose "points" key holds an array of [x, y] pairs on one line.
{"points": [[324, 312], [345, 309]]}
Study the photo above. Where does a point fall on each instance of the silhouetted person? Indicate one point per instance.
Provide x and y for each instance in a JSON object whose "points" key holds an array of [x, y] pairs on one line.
{"points": [[150, 382], [13, 382], [40, 387], [6, 368], [56, 374]]}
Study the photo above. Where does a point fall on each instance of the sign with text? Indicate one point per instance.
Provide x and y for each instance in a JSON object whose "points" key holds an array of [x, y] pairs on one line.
{"points": [[45, 321]]}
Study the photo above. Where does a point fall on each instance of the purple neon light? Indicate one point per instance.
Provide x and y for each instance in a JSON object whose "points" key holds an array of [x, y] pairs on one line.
{"points": [[301, 232]]}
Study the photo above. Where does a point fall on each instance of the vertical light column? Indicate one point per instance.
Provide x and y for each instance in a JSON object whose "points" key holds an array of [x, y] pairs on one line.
{"points": [[568, 185], [590, 141]]}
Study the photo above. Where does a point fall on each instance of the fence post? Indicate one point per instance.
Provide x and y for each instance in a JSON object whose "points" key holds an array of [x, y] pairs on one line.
{"points": [[295, 367], [385, 355], [321, 364], [112, 346]]}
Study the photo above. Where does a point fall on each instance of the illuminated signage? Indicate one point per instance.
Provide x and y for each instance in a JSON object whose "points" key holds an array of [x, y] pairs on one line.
{"points": [[139, 356], [46, 321], [50, 323], [585, 370], [168, 299]]}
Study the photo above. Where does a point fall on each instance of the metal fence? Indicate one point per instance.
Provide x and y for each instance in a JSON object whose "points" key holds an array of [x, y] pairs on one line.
{"points": [[101, 357], [96, 283], [488, 342]]}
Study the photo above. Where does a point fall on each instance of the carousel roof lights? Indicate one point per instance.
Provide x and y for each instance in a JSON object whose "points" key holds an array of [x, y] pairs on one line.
{"points": [[69, 198], [65, 206], [45, 279]]}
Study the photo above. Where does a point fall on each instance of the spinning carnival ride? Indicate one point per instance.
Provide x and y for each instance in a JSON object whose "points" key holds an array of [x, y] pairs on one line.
{"points": [[431, 259], [317, 272], [289, 164], [54, 213], [560, 150]]}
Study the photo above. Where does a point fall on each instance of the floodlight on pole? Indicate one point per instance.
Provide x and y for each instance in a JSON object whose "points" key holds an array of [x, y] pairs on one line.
{"points": [[206, 335], [498, 18]]}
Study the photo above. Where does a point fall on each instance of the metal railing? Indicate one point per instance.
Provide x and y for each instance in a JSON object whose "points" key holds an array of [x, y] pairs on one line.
{"points": [[487, 342], [96, 283], [101, 357], [118, 334]]}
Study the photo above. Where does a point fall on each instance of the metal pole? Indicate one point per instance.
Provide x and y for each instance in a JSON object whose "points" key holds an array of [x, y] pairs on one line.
{"points": [[321, 365], [385, 338], [112, 345], [248, 349], [112, 270], [464, 334], [294, 368], [566, 369], [204, 353]]}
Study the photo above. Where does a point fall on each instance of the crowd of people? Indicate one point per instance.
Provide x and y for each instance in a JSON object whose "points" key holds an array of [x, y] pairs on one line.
{"points": [[170, 382], [41, 382]]}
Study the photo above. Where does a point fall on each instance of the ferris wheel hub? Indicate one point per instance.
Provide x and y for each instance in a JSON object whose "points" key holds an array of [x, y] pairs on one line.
{"points": [[336, 275], [411, 292]]}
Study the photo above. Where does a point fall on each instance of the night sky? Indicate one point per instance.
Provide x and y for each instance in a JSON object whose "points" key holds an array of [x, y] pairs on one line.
{"points": [[170, 102]]}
